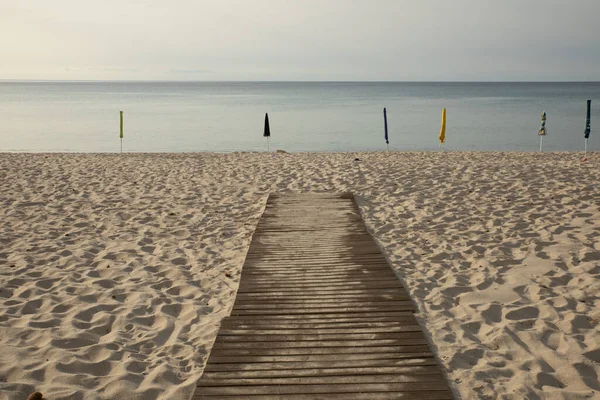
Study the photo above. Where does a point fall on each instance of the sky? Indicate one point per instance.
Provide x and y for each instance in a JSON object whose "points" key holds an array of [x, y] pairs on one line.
{"points": [[300, 40]]}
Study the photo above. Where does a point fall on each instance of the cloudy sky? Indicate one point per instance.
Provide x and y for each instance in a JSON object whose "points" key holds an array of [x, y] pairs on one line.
{"points": [[400, 40]]}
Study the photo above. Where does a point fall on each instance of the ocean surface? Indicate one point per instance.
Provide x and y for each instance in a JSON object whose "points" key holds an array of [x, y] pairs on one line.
{"points": [[315, 116]]}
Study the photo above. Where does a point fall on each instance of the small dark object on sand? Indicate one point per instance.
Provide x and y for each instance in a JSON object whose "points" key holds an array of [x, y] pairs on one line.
{"points": [[357, 159], [35, 396]]}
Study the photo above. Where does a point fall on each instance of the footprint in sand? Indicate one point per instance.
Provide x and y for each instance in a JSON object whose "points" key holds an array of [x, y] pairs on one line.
{"points": [[523, 313]]}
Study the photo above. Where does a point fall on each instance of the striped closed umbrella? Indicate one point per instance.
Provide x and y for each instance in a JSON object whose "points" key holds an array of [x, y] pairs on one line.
{"points": [[542, 131]]}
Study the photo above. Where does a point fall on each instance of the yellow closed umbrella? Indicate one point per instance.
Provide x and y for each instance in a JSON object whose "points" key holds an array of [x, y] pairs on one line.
{"points": [[443, 128]]}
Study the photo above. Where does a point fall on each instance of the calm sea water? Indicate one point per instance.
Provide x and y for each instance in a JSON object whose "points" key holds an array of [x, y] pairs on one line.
{"points": [[225, 116]]}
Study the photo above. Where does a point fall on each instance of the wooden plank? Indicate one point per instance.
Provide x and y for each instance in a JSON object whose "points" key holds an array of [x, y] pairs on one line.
{"points": [[330, 268], [264, 298], [314, 326], [437, 395], [314, 280], [376, 266], [424, 369], [320, 286], [317, 290], [337, 258], [331, 292], [299, 309], [317, 357], [322, 255], [331, 310], [257, 305], [288, 263], [396, 378], [378, 316], [380, 284], [284, 275], [341, 253], [321, 233], [328, 331], [391, 293], [319, 343], [317, 273], [265, 302], [264, 263], [387, 350], [291, 268], [320, 364], [323, 292], [317, 337], [325, 323], [301, 242], [327, 388], [342, 245], [300, 269]]}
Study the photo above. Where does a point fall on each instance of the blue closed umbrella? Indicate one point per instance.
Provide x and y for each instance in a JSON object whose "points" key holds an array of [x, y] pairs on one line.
{"points": [[387, 142]]}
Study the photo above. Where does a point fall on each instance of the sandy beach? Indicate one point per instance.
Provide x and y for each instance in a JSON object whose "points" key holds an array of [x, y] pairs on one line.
{"points": [[115, 270]]}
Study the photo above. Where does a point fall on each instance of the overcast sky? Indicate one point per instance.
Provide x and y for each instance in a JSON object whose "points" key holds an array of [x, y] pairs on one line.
{"points": [[401, 40]]}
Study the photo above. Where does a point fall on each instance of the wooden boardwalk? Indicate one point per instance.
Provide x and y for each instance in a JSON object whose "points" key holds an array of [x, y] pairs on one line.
{"points": [[319, 314]]}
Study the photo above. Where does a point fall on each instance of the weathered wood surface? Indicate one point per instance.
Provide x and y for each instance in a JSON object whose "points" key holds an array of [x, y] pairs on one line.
{"points": [[319, 314]]}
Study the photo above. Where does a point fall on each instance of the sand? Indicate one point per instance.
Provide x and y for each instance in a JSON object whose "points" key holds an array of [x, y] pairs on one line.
{"points": [[116, 270]]}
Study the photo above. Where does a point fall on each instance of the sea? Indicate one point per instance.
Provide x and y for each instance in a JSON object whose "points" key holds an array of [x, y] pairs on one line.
{"points": [[51, 116]]}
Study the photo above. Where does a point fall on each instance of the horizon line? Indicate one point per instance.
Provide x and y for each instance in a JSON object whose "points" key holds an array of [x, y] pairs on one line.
{"points": [[284, 81]]}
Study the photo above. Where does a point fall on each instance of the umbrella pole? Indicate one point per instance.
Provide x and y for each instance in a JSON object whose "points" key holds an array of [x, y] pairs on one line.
{"points": [[268, 144], [541, 141], [585, 151], [388, 147], [121, 145]]}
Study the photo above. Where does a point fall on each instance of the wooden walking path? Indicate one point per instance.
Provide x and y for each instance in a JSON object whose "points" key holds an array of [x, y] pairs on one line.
{"points": [[319, 314]]}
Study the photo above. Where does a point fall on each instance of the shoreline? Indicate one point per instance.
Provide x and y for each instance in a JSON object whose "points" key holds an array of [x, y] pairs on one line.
{"points": [[286, 152]]}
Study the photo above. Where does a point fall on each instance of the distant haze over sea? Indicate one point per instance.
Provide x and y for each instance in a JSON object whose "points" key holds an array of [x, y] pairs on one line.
{"points": [[304, 116]]}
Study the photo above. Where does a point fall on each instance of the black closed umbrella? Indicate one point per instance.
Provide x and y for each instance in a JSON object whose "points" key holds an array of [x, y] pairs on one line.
{"points": [[588, 126], [267, 132]]}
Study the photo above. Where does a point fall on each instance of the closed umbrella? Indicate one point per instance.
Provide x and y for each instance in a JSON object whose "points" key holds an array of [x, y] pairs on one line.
{"points": [[588, 126], [267, 132], [121, 134], [387, 142], [542, 131], [442, 136]]}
